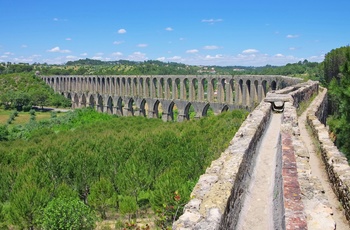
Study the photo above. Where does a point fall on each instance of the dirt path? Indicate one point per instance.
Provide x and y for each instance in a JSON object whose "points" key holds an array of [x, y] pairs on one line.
{"points": [[257, 211], [318, 171]]}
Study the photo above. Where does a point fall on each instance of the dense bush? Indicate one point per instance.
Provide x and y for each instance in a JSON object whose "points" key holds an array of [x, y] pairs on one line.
{"points": [[131, 160]]}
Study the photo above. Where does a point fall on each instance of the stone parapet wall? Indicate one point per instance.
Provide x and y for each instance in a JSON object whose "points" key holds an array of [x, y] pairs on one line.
{"points": [[215, 189], [217, 198], [337, 166]]}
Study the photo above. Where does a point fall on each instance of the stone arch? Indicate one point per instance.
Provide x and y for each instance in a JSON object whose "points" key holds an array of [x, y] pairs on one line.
{"points": [[118, 86], [83, 101], [110, 105], [213, 90], [187, 111], [194, 90], [185, 88], [176, 88], [205, 110], [156, 106], [147, 90], [119, 107], [240, 91], [161, 85], [92, 102], [128, 89], [75, 101], [248, 92], [154, 88], [224, 108], [100, 103], [255, 91], [273, 85], [169, 89], [204, 88], [122, 88], [130, 108], [263, 89], [140, 87], [143, 108], [134, 90]]}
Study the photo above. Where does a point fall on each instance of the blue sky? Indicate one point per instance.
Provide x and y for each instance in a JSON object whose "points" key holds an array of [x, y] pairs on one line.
{"points": [[221, 32]]}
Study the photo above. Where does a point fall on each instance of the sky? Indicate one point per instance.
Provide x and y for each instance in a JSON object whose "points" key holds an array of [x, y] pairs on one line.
{"points": [[220, 32]]}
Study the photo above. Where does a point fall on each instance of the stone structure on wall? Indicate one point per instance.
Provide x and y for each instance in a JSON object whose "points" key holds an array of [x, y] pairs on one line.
{"points": [[157, 95], [218, 196]]}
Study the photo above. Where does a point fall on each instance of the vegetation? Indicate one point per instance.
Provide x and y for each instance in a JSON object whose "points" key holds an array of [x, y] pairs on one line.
{"points": [[21, 91], [337, 76], [124, 165], [124, 67]]}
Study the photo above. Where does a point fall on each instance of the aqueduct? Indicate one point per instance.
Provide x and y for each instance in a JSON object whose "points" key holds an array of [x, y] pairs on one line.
{"points": [[157, 95]]}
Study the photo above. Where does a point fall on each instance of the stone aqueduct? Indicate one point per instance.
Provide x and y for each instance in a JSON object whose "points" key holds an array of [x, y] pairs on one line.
{"points": [[157, 95]]}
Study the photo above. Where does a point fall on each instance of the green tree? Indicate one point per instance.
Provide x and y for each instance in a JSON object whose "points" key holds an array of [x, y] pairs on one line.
{"points": [[102, 196], [40, 98], [67, 213]]}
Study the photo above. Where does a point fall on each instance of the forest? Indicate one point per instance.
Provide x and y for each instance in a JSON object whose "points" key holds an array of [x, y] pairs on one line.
{"points": [[81, 168]]}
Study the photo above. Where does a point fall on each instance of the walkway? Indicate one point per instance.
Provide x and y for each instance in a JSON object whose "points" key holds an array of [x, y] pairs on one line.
{"points": [[257, 211]]}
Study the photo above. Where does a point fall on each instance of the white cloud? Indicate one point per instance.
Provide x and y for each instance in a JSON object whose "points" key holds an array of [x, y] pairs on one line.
{"points": [[250, 51], [292, 48], [99, 54], [117, 54], [279, 55], [58, 50], [161, 59], [142, 45], [8, 53], [71, 57], [192, 51], [97, 57], [24, 46], [211, 21], [121, 31], [175, 58], [68, 39], [169, 29], [137, 56], [210, 47], [292, 36], [83, 54], [118, 42], [55, 19], [218, 56]]}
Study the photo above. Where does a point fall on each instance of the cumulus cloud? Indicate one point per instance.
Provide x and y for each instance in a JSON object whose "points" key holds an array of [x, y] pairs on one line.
{"points": [[279, 55], [70, 57], [292, 36], [117, 42], [68, 39], [250, 51], [169, 29], [83, 54], [192, 51], [58, 50], [212, 21], [210, 47], [117, 54], [121, 31], [142, 45], [137, 56]]}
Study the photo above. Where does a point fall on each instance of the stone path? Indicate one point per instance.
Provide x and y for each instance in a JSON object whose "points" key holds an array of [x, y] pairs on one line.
{"points": [[315, 218], [257, 208]]}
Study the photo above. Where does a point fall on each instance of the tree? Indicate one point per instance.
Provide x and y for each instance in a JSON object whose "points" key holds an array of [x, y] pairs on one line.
{"points": [[102, 196], [68, 213], [340, 94], [40, 98]]}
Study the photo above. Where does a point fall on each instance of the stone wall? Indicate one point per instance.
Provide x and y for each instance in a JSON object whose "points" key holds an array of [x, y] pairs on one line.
{"points": [[336, 164], [217, 198]]}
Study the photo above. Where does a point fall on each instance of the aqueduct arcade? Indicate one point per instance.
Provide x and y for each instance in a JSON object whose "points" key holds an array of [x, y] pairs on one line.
{"points": [[158, 95]]}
